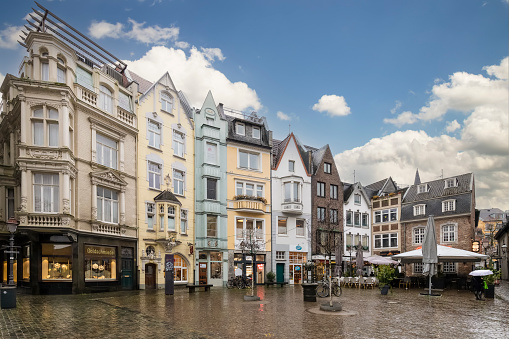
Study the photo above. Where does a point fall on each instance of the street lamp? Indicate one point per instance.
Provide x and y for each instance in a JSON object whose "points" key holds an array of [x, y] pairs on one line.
{"points": [[12, 225]]}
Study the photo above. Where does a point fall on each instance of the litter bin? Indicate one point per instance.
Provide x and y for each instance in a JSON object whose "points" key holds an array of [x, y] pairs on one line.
{"points": [[309, 291], [8, 296]]}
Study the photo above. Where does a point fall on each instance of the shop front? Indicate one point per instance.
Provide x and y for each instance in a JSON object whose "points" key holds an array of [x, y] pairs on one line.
{"points": [[211, 267], [251, 266], [296, 267]]}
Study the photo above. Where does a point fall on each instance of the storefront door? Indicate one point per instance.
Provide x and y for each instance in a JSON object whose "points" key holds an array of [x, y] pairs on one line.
{"points": [[127, 274], [202, 273], [150, 276], [280, 272]]}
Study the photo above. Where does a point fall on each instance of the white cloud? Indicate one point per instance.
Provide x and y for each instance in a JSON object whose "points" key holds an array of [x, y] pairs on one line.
{"points": [[182, 44], [139, 32], [283, 116], [397, 106], [213, 53], [463, 92], [195, 75], [452, 126], [9, 36], [481, 148], [332, 104]]}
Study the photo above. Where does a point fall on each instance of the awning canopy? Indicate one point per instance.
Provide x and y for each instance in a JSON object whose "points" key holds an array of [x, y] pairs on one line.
{"points": [[445, 254]]}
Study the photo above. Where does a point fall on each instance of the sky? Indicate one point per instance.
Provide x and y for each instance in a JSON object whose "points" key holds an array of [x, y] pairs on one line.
{"points": [[391, 86]]}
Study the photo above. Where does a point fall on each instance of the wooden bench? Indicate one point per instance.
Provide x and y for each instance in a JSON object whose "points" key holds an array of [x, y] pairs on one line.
{"points": [[281, 284], [192, 288]]}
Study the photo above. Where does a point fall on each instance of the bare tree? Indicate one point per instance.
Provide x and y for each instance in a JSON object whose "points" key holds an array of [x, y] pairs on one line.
{"points": [[252, 244]]}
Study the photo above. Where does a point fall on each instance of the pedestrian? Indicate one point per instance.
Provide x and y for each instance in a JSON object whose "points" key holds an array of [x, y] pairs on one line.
{"points": [[477, 284]]}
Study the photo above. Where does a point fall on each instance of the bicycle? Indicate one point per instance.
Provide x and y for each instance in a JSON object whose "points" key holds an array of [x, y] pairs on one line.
{"points": [[238, 282], [323, 288]]}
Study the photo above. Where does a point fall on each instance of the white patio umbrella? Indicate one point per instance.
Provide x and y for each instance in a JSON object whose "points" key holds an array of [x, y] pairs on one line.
{"points": [[429, 251], [445, 254], [480, 273], [379, 260]]}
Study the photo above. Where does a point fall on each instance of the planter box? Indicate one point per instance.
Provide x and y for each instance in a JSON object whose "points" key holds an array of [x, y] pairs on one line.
{"points": [[490, 292]]}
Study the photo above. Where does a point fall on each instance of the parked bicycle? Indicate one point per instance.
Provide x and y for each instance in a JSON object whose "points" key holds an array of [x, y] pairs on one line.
{"points": [[323, 288], [239, 282]]}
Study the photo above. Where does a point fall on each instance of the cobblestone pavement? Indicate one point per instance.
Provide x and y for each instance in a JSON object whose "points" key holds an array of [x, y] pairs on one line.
{"points": [[282, 313]]}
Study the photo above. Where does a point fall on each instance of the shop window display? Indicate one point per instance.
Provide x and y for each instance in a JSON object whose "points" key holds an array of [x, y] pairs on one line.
{"points": [[100, 263], [56, 262]]}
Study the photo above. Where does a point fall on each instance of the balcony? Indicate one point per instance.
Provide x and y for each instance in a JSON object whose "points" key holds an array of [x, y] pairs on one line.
{"points": [[45, 220], [249, 204], [292, 207]]}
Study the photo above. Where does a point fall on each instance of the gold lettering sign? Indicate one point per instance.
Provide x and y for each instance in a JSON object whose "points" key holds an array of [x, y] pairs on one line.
{"points": [[100, 251]]}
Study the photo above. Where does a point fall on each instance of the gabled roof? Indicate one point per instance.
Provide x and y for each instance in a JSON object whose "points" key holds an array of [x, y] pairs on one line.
{"points": [[348, 191], [143, 84], [487, 214], [167, 196], [265, 139], [318, 157], [383, 186], [279, 150], [436, 188]]}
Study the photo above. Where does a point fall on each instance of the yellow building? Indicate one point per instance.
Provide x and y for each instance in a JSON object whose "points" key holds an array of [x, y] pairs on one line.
{"points": [[165, 182], [249, 144]]}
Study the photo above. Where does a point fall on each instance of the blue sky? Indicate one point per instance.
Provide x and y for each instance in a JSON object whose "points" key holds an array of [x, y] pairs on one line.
{"points": [[391, 86]]}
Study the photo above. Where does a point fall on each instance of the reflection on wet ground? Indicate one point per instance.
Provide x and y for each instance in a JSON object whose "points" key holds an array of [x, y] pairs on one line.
{"points": [[282, 313]]}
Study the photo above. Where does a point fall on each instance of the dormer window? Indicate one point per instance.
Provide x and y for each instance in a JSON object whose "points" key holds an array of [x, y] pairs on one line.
{"points": [[452, 182], [240, 128], [256, 132], [419, 210], [357, 199], [448, 205], [291, 166], [422, 188]]}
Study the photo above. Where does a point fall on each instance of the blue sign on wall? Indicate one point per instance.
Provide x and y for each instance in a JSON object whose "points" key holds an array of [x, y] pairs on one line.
{"points": [[299, 247]]}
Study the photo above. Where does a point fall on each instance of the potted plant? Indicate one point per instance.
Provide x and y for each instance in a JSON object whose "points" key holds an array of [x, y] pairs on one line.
{"points": [[385, 275], [490, 282], [271, 276]]}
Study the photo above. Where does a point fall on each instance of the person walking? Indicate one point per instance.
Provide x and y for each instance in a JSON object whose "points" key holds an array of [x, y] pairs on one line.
{"points": [[478, 285]]}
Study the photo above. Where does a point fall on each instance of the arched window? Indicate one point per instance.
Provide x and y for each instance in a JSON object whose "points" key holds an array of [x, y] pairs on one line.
{"points": [[180, 269], [61, 70], [105, 99], [44, 64], [166, 102]]}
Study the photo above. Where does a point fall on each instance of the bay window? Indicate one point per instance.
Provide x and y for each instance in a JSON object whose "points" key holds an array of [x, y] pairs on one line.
{"points": [[292, 193], [211, 225], [46, 192]]}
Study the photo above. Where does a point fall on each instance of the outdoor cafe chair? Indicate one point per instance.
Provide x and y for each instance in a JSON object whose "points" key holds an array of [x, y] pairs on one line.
{"points": [[405, 282], [342, 281], [369, 282], [356, 281]]}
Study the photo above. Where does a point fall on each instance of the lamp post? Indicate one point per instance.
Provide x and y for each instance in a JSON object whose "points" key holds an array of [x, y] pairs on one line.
{"points": [[12, 225]]}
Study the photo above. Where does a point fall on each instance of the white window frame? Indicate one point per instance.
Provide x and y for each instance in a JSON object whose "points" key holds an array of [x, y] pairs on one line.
{"points": [[166, 102], [357, 199], [294, 191], [240, 128], [291, 166], [420, 209], [45, 71], [47, 204], [349, 213], [449, 233], [154, 135], [379, 215], [418, 235], [450, 182], [61, 74], [365, 217], [256, 135], [280, 255], [103, 201], [253, 165], [282, 230], [327, 168], [154, 171], [418, 267], [209, 146], [179, 145], [103, 148], [300, 227], [179, 184], [449, 267], [259, 233], [333, 191], [106, 97], [184, 214], [150, 210], [449, 205], [422, 188], [379, 240], [241, 188], [43, 125]]}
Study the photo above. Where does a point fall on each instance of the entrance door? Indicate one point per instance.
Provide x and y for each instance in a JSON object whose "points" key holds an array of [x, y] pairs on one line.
{"points": [[150, 276], [280, 272], [202, 273], [127, 274]]}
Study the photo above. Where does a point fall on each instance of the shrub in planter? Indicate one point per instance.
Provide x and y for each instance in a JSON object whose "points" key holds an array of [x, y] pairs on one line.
{"points": [[271, 276], [385, 275]]}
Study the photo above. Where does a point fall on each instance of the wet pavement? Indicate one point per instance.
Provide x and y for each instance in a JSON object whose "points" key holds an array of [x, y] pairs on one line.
{"points": [[282, 313]]}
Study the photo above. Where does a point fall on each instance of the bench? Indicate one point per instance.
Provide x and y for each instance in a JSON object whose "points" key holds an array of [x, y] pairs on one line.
{"points": [[192, 288], [281, 284]]}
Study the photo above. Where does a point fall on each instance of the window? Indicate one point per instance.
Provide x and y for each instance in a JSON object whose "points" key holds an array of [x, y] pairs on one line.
{"points": [[211, 189], [179, 269], [211, 153], [452, 182], [46, 193], [178, 182], [320, 213], [418, 267], [107, 205], [249, 225], [171, 218], [422, 188], [166, 102], [183, 221], [327, 167], [333, 216], [249, 160], [386, 240], [256, 132], [357, 199], [125, 102], [45, 71], [240, 129], [349, 217], [280, 255], [449, 267], [281, 225], [45, 128], [105, 99], [249, 189], [292, 193], [179, 143], [291, 166], [320, 189], [211, 226], [299, 224], [106, 151], [334, 192], [216, 265], [84, 78], [448, 205], [56, 261], [357, 219], [418, 237], [449, 233], [386, 215], [154, 175], [210, 121], [154, 134], [419, 210], [9, 197], [365, 220], [61, 75], [100, 263], [150, 207]]}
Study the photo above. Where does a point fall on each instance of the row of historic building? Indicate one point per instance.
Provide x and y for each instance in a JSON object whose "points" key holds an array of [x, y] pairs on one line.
{"points": [[105, 172]]}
